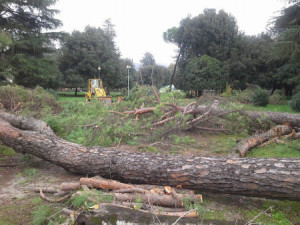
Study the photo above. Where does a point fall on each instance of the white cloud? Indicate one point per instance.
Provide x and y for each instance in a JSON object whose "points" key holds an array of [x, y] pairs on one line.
{"points": [[140, 24]]}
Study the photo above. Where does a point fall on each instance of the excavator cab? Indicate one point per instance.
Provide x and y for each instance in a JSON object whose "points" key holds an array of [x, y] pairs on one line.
{"points": [[96, 90]]}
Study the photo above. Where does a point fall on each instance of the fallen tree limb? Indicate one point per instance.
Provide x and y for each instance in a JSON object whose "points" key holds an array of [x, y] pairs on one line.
{"points": [[43, 196], [104, 184], [174, 200], [140, 111], [155, 208], [249, 143], [276, 117], [155, 93], [277, 178], [45, 189]]}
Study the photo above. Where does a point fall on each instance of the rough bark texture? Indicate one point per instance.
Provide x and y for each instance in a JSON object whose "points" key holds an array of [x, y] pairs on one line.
{"points": [[125, 215], [104, 184], [245, 145], [279, 178], [70, 186], [151, 199]]}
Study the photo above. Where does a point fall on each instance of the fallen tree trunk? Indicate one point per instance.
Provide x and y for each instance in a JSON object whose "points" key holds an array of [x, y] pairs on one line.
{"points": [[123, 214], [245, 145], [278, 178], [279, 118], [276, 117]]}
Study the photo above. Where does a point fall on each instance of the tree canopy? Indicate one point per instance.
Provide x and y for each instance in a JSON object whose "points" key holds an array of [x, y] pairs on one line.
{"points": [[269, 60], [83, 52], [26, 42]]}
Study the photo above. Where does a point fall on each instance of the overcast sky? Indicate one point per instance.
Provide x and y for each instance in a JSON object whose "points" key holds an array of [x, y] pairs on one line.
{"points": [[139, 24]]}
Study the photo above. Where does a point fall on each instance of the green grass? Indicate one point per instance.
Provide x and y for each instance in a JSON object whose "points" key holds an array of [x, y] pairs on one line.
{"points": [[215, 215], [45, 214], [89, 198], [287, 149], [69, 93], [151, 149], [30, 173], [71, 99], [223, 143], [6, 151], [182, 139], [272, 108], [228, 209]]}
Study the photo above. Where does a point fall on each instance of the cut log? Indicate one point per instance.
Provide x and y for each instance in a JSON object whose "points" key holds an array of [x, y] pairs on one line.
{"points": [[70, 186], [151, 199], [122, 214], [45, 189], [104, 184], [174, 200], [249, 143], [273, 177]]}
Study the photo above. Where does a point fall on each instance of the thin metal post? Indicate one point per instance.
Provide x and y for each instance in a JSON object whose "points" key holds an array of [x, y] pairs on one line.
{"points": [[128, 67]]}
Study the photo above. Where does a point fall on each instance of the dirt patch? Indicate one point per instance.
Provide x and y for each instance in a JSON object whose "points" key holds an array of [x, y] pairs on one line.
{"points": [[17, 182]]}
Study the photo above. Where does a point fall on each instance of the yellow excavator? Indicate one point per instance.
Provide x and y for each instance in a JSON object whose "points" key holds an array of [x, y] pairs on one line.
{"points": [[96, 89]]}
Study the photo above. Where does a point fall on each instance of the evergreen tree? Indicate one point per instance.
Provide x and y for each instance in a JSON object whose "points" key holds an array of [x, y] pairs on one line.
{"points": [[25, 58], [83, 52], [286, 49]]}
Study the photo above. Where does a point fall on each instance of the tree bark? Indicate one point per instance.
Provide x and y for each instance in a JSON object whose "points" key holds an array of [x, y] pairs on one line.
{"points": [[175, 67], [124, 214], [175, 200], [279, 118], [277, 178]]}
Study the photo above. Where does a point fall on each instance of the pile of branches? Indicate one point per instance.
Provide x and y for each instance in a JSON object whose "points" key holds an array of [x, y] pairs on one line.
{"points": [[146, 199], [184, 118], [174, 118]]}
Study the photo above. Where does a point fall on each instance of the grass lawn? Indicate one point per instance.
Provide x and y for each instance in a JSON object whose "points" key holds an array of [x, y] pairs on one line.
{"points": [[272, 108], [289, 149], [70, 97]]}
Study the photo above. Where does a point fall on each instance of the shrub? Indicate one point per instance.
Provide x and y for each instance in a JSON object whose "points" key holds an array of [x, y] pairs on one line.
{"points": [[260, 97], [277, 98], [228, 92], [33, 101], [245, 96], [295, 103]]}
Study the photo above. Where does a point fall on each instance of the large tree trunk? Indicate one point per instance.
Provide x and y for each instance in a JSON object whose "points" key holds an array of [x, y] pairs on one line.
{"points": [[279, 178], [276, 117]]}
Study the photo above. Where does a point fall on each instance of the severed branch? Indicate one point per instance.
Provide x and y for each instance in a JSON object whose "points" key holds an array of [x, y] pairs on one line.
{"points": [[43, 196], [155, 93], [249, 143]]}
